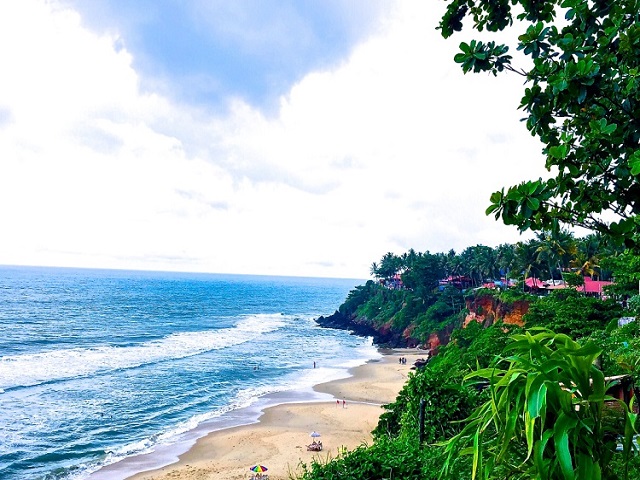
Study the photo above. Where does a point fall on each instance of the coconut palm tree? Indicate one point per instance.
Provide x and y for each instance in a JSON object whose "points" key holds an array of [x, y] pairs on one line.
{"points": [[556, 249]]}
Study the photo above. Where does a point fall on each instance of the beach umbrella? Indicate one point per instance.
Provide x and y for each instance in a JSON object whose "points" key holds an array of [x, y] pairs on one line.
{"points": [[259, 468], [315, 434]]}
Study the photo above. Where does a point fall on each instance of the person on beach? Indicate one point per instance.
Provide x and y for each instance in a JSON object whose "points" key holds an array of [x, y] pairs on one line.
{"points": [[344, 403], [337, 403], [314, 364]]}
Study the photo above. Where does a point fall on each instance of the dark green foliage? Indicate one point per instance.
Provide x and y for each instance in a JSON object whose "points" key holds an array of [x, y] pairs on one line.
{"points": [[619, 466], [437, 317], [626, 266], [386, 459], [480, 346], [581, 99], [389, 265], [621, 350], [512, 295], [411, 308], [379, 305], [570, 312], [423, 274], [447, 401], [358, 296], [573, 279], [546, 415]]}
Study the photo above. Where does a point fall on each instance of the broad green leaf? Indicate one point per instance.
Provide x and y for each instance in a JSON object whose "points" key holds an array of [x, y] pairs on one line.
{"points": [[539, 456], [558, 151], [561, 441], [460, 57], [533, 203], [634, 163], [465, 47], [529, 426], [536, 396]]}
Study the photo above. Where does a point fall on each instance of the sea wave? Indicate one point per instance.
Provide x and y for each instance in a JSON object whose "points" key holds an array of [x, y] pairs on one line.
{"points": [[33, 369]]}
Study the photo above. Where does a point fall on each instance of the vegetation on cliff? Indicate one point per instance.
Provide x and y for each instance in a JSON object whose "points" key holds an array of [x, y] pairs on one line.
{"points": [[423, 297], [487, 350], [501, 401]]}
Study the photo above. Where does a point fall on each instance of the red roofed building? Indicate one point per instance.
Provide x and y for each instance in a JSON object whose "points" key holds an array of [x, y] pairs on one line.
{"points": [[534, 283], [592, 287]]}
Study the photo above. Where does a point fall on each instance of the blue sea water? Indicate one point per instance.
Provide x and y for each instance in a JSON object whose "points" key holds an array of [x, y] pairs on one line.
{"points": [[99, 368]]}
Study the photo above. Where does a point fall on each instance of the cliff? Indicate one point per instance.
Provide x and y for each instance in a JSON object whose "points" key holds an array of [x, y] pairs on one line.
{"points": [[486, 309], [382, 336]]}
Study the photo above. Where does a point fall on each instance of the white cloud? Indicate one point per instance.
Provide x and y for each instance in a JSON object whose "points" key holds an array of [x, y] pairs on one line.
{"points": [[393, 149]]}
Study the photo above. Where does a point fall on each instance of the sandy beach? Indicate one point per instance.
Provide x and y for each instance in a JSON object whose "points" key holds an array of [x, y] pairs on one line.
{"points": [[279, 439]]}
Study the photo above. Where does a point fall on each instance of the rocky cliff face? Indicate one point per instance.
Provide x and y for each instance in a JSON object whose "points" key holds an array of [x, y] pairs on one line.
{"points": [[487, 309], [382, 336]]}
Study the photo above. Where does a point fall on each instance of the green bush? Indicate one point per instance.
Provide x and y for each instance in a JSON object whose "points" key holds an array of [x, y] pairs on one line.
{"points": [[447, 402], [385, 459], [570, 312]]}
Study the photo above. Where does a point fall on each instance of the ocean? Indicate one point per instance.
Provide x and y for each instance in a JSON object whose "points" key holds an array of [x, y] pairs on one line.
{"points": [[104, 373]]}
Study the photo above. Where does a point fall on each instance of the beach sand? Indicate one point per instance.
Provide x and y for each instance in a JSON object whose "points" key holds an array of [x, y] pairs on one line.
{"points": [[278, 441]]}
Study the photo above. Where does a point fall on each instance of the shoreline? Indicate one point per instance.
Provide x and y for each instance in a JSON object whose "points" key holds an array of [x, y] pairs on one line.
{"points": [[280, 434]]}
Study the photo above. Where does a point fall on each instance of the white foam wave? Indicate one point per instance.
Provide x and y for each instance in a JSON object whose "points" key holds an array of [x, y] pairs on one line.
{"points": [[243, 399], [33, 369]]}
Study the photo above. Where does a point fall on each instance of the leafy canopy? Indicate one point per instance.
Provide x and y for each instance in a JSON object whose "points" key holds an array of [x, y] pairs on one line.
{"points": [[582, 99]]}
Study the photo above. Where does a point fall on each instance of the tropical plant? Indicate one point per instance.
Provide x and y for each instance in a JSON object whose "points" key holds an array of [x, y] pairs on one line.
{"points": [[556, 249], [424, 273], [546, 416]]}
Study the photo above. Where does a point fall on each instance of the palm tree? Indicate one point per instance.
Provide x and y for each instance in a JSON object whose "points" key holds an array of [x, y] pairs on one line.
{"points": [[480, 263], [373, 270], [506, 259], [526, 261], [556, 249], [587, 258], [389, 265]]}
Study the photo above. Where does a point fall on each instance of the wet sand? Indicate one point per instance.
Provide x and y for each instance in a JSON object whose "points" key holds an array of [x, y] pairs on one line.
{"points": [[279, 439]]}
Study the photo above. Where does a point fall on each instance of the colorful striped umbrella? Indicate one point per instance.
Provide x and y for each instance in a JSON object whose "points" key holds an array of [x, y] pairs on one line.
{"points": [[259, 468]]}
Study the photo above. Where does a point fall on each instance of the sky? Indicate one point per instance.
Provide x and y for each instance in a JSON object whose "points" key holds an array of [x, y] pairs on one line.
{"points": [[279, 137]]}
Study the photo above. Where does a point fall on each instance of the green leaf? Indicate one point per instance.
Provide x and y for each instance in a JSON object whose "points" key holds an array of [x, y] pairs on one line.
{"points": [[634, 163], [536, 395], [532, 187], [539, 456], [477, 454], [609, 129], [533, 203], [561, 440], [559, 151], [460, 57]]}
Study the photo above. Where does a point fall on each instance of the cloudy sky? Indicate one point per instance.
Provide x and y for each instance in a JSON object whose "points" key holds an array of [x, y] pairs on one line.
{"points": [[286, 137]]}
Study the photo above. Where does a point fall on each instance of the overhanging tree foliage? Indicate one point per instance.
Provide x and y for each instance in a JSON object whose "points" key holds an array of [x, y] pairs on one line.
{"points": [[582, 99]]}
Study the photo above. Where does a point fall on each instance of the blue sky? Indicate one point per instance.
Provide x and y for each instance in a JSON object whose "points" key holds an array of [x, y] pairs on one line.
{"points": [[285, 138], [207, 51]]}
